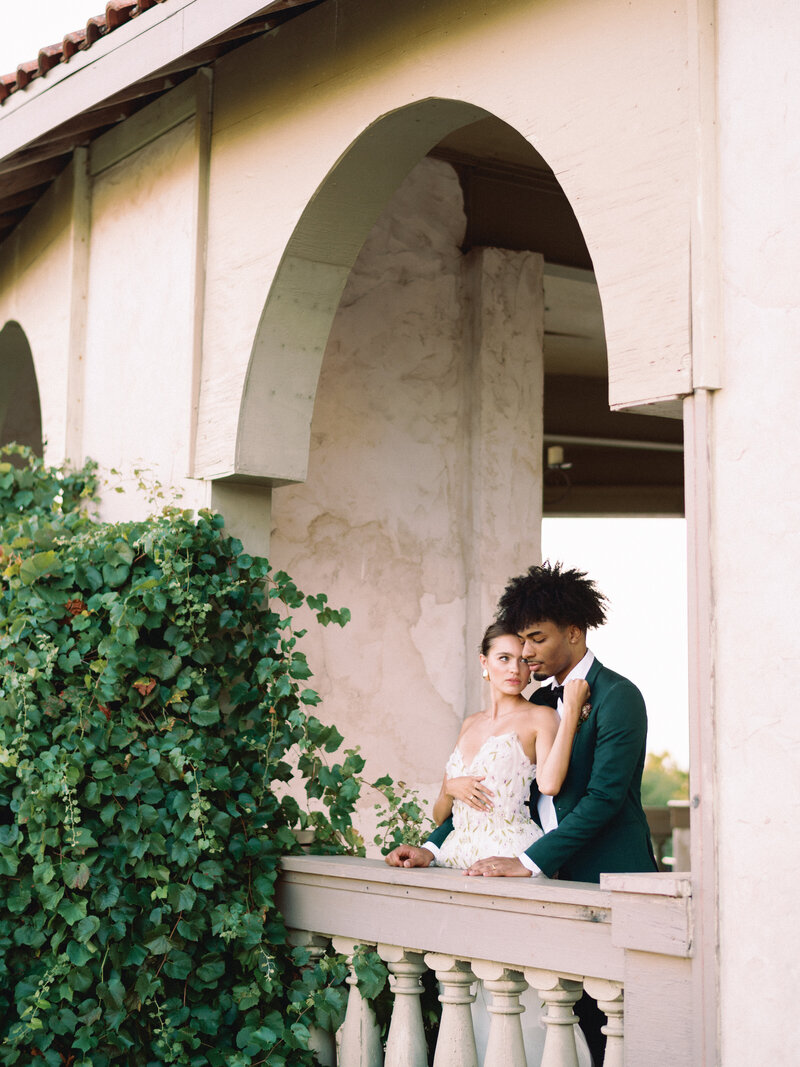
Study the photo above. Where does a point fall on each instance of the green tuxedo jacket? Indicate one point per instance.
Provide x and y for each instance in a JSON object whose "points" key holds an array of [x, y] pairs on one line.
{"points": [[601, 823]]}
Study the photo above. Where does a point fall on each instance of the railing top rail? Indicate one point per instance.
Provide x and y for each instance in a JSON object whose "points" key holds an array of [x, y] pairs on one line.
{"points": [[446, 880], [564, 926]]}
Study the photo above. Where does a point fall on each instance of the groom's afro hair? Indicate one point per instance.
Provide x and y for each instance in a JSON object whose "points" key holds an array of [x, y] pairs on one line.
{"points": [[551, 594]]}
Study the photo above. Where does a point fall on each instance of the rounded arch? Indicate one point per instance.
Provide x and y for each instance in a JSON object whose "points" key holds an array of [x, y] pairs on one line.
{"points": [[280, 386], [20, 410]]}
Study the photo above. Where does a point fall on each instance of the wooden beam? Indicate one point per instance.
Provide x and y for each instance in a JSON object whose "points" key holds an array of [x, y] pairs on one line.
{"points": [[201, 57], [150, 122], [46, 150], [96, 119], [29, 176], [24, 198], [9, 219], [147, 87]]}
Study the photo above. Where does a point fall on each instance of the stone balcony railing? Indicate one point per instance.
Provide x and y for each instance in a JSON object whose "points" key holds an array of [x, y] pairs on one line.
{"points": [[627, 942]]}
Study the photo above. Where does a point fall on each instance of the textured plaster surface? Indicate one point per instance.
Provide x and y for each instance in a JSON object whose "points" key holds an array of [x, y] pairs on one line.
{"points": [[139, 334], [35, 279], [377, 523], [393, 520], [757, 535]]}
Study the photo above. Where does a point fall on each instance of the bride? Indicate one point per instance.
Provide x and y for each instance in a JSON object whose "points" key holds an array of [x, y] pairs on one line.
{"points": [[499, 751], [487, 785]]}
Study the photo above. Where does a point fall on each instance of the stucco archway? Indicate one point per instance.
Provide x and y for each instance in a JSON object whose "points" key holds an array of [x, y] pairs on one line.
{"points": [[423, 489], [281, 381], [441, 577], [277, 401], [20, 411]]}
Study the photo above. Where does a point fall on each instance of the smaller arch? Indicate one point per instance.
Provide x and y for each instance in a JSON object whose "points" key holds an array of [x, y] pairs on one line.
{"points": [[20, 409]]}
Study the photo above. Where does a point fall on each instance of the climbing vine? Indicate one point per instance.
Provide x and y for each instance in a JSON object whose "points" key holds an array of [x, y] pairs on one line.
{"points": [[154, 706]]}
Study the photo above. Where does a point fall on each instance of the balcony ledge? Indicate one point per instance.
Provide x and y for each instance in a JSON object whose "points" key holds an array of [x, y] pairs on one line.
{"points": [[569, 927]]}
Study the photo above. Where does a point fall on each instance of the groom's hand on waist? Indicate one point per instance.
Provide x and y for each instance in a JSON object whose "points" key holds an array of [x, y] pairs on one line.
{"points": [[499, 867], [409, 856]]}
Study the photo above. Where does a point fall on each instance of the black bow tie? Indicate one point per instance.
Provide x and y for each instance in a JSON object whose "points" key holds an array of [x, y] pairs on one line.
{"points": [[550, 695]]}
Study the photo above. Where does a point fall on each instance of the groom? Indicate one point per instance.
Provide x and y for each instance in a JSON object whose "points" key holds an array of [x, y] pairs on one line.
{"points": [[596, 823]]}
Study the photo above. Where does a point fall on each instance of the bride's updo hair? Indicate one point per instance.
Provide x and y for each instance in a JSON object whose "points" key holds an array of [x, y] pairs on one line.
{"points": [[497, 629]]}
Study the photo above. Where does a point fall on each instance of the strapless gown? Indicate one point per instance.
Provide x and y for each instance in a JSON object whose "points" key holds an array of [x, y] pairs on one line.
{"points": [[506, 830]]}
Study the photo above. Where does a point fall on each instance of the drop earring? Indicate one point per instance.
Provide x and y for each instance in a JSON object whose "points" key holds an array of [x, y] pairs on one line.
{"points": [[485, 672]]}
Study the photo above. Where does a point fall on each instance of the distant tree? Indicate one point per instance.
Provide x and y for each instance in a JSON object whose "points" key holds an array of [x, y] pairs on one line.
{"points": [[663, 780]]}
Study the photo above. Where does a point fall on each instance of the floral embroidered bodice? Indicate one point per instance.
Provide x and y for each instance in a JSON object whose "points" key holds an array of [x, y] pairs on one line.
{"points": [[507, 829]]}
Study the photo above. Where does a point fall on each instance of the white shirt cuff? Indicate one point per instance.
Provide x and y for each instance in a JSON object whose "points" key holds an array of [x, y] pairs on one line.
{"points": [[432, 848], [526, 861]]}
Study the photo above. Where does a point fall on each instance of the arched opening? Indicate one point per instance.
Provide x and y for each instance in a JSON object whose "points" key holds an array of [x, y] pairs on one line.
{"points": [[20, 411], [440, 321], [278, 398]]}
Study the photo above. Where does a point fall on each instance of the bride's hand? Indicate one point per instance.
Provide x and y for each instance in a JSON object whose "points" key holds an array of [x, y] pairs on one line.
{"points": [[470, 790], [576, 694]]}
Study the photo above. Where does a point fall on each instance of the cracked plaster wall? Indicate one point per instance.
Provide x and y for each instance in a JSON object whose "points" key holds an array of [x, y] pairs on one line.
{"points": [[425, 443]]}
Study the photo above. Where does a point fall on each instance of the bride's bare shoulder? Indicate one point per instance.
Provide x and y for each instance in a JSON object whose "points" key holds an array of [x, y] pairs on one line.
{"points": [[540, 715], [470, 721]]}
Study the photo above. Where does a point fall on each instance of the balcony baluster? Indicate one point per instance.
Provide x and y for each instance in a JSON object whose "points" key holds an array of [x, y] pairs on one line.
{"points": [[505, 1047], [561, 937], [405, 1044], [610, 999], [455, 1044], [320, 1041], [560, 995], [361, 1037]]}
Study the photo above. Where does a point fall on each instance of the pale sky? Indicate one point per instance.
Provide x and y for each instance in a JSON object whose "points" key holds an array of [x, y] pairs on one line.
{"points": [[28, 25], [639, 563]]}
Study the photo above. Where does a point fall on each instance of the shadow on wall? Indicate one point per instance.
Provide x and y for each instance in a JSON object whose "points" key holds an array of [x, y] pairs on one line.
{"points": [[20, 412]]}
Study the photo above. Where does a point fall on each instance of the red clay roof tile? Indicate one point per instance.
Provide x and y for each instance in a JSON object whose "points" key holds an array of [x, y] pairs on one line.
{"points": [[74, 42], [50, 57], [116, 14], [26, 72], [119, 11], [95, 29], [8, 82]]}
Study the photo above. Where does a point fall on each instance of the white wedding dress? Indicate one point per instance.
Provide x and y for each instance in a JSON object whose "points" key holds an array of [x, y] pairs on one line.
{"points": [[506, 830]]}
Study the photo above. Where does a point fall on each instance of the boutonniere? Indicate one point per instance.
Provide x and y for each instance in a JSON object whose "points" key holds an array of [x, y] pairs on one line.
{"points": [[584, 715]]}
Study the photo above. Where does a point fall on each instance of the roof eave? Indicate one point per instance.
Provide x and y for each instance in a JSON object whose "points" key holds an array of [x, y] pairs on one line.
{"points": [[132, 53]]}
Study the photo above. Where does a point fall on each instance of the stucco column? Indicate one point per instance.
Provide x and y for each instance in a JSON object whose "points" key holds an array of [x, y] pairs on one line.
{"points": [[247, 510], [503, 498], [79, 288]]}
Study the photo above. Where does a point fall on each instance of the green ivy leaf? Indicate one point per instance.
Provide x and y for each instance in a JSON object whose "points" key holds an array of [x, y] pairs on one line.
{"points": [[112, 992], [211, 970], [75, 875], [86, 928], [114, 576], [204, 711], [39, 565], [158, 944], [181, 897], [72, 910]]}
